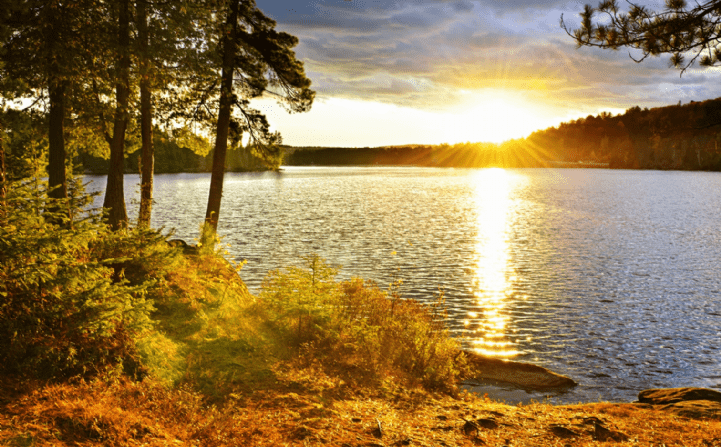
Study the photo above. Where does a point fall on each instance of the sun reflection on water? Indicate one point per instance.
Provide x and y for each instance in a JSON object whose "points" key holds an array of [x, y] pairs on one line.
{"points": [[487, 326]]}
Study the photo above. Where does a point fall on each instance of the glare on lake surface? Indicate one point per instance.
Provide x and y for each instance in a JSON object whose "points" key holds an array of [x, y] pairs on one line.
{"points": [[610, 277], [490, 286]]}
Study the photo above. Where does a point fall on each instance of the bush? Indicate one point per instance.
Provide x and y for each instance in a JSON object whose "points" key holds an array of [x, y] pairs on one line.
{"points": [[362, 331], [67, 308], [78, 299]]}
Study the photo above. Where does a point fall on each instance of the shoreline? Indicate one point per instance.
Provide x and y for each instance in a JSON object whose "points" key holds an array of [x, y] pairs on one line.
{"points": [[308, 410], [521, 382]]}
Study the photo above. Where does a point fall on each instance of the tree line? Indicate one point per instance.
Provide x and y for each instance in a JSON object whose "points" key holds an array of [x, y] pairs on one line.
{"points": [[674, 137], [684, 137], [511, 154], [173, 152], [101, 76]]}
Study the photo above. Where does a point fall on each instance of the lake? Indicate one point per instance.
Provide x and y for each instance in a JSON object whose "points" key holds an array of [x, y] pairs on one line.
{"points": [[611, 277]]}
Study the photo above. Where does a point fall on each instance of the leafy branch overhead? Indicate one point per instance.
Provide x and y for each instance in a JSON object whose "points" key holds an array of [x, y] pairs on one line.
{"points": [[688, 32]]}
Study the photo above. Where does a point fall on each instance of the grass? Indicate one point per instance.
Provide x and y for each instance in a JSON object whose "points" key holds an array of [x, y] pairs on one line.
{"points": [[305, 407]]}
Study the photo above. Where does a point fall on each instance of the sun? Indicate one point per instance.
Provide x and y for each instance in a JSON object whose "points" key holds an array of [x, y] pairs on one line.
{"points": [[497, 115], [484, 115]]}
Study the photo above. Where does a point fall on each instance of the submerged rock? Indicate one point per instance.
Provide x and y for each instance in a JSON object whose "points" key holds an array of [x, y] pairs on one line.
{"points": [[523, 375]]}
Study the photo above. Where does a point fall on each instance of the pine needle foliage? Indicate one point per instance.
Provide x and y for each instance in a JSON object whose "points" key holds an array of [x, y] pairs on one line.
{"points": [[67, 307], [687, 31]]}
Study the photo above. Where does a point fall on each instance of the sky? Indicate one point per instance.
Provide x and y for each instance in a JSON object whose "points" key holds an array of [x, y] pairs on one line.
{"points": [[393, 72]]}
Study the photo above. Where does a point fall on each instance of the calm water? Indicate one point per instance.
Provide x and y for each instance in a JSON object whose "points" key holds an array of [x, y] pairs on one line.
{"points": [[610, 277]]}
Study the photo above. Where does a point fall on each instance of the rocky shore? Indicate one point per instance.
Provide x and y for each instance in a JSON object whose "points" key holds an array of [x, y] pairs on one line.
{"points": [[311, 411], [698, 403], [305, 407], [688, 402]]}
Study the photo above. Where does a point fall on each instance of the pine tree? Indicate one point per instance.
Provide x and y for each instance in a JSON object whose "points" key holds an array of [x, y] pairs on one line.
{"points": [[256, 60], [42, 55], [114, 193], [146, 116], [686, 33]]}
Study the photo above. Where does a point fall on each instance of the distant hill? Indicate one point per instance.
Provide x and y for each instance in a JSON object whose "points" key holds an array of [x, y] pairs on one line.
{"points": [[673, 137]]}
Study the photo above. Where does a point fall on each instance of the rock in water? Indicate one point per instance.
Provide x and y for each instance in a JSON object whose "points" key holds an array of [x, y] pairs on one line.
{"points": [[524, 375]]}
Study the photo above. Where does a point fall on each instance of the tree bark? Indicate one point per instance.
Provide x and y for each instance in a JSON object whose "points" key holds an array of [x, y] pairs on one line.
{"points": [[3, 177], [146, 120], [56, 119], [56, 141], [224, 112], [114, 194]]}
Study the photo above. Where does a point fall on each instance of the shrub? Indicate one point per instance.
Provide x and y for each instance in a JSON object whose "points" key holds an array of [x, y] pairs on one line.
{"points": [[400, 336], [360, 330], [65, 309], [301, 300]]}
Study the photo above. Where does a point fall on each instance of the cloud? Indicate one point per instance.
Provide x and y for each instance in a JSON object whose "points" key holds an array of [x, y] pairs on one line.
{"points": [[425, 53]]}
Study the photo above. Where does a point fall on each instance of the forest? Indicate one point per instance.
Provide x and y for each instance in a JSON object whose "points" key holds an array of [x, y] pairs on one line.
{"points": [[86, 80], [26, 151], [684, 137]]}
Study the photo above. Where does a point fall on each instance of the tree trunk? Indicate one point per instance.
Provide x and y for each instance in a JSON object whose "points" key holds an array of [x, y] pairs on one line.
{"points": [[3, 177], [146, 121], [114, 194], [56, 142], [56, 92], [224, 111]]}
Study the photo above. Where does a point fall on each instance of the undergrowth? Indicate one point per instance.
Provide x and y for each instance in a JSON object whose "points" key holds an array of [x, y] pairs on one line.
{"points": [[86, 313], [359, 331], [82, 301], [67, 308]]}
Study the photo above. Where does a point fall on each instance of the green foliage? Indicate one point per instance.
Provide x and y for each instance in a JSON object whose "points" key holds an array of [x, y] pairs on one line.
{"points": [[302, 300], [25, 143], [394, 334], [78, 299], [69, 304], [678, 30], [209, 332]]}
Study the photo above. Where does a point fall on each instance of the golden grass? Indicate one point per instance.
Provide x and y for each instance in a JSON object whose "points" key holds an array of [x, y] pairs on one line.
{"points": [[305, 408]]}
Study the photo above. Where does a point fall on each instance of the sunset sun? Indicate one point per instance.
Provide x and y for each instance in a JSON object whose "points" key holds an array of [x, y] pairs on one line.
{"points": [[496, 116]]}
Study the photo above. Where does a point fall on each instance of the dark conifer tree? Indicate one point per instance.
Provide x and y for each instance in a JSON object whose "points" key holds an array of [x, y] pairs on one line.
{"points": [[114, 193], [146, 116], [41, 56], [686, 32], [255, 60]]}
